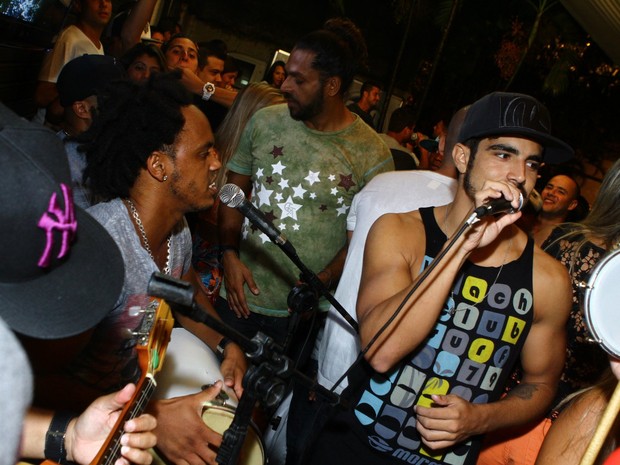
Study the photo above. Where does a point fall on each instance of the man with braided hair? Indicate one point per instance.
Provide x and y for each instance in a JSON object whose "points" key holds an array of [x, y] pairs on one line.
{"points": [[303, 162], [151, 160]]}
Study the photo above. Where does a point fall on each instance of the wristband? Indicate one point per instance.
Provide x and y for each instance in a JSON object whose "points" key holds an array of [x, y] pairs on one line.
{"points": [[221, 346], [55, 437]]}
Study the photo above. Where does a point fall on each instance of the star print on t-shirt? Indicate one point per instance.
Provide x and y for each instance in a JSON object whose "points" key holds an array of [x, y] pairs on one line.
{"points": [[299, 190], [277, 151]]}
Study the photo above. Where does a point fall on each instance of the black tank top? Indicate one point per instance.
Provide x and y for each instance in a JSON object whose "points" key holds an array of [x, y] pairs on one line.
{"points": [[470, 352]]}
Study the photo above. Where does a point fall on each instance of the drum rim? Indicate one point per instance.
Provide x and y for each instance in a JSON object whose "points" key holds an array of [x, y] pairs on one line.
{"points": [[227, 408], [588, 295]]}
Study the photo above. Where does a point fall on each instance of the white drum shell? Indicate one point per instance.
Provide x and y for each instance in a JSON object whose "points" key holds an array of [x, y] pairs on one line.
{"points": [[189, 366]]}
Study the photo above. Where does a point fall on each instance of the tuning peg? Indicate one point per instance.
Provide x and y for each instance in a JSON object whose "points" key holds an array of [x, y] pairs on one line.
{"points": [[135, 310]]}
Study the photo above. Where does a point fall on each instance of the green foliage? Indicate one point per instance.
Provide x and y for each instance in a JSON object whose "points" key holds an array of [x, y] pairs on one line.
{"points": [[338, 5], [442, 14], [557, 81]]}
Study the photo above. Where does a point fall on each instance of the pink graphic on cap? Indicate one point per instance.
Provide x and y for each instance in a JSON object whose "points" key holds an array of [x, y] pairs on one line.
{"points": [[56, 219]]}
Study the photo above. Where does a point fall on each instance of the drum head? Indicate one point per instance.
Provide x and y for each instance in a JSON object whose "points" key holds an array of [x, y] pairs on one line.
{"points": [[219, 420], [602, 302], [189, 367]]}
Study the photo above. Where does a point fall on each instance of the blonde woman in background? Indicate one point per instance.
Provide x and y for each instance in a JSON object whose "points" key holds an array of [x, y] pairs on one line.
{"points": [[206, 257]]}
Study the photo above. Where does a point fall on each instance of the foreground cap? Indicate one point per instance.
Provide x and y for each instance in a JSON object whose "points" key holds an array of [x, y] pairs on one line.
{"points": [[509, 114], [85, 76], [61, 271]]}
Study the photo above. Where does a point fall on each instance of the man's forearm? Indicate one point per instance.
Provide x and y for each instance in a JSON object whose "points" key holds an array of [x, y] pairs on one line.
{"points": [[229, 220], [524, 403], [330, 274], [35, 427], [229, 228], [139, 16], [203, 331], [222, 96]]}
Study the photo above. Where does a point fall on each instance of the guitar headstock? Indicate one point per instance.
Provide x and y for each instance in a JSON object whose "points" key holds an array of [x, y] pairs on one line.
{"points": [[154, 335], [152, 340]]}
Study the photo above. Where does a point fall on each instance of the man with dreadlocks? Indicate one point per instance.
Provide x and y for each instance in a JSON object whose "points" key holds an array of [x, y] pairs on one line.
{"points": [[303, 162], [151, 160]]}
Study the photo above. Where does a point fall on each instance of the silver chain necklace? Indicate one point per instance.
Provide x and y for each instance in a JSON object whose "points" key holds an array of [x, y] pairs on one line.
{"points": [[145, 240]]}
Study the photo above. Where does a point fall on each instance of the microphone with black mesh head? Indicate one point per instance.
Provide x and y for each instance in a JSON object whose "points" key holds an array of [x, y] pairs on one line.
{"points": [[233, 196], [498, 206]]}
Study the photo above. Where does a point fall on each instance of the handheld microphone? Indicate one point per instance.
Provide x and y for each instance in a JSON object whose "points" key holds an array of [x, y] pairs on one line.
{"points": [[497, 206], [233, 196]]}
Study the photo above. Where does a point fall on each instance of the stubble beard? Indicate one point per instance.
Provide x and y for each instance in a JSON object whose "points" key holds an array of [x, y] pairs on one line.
{"points": [[307, 112], [181, 192], [467, 184]]}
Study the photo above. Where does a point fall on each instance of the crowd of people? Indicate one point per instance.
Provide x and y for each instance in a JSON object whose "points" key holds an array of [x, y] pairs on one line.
{"points": [[457, 332]]}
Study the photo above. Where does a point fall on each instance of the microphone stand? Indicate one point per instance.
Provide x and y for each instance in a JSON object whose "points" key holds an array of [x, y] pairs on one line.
{"points": [[308, 276], [233, 197], [264, 380]]}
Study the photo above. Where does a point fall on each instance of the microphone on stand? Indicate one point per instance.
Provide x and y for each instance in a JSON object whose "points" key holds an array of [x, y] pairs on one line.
{"points": [[233, 196]]}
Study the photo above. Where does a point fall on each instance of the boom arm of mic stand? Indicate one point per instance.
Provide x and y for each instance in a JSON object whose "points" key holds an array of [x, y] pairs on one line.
{"points": [[263, 379], [180, 296]]}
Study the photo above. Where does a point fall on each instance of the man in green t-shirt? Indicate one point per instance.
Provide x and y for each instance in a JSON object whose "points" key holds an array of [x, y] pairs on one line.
{"points": [[302, 163]]}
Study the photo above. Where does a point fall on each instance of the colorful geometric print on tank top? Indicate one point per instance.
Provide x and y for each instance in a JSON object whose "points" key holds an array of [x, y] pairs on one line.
{"points": [[470, 353]]}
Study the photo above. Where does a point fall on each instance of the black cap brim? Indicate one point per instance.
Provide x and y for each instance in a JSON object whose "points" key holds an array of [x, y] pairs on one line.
{"points": [[555, 150], [69, 295], [70, 299], [514, 115]]}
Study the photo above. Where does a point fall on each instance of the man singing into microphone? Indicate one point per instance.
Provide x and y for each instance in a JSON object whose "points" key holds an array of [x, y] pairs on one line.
{"points": [[431, 382]]}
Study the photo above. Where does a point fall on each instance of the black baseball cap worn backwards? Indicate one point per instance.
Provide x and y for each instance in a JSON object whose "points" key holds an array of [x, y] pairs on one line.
{"points": [[86, 75], [61, 272], [511, 114]]}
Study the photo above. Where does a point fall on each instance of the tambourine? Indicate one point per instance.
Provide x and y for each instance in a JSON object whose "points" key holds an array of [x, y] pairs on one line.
{"points": [[190, 367], [601, 303]]}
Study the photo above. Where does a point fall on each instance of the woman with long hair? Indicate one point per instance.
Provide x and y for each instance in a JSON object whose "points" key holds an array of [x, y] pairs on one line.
{"points": [[580, 246], [276, 74]]}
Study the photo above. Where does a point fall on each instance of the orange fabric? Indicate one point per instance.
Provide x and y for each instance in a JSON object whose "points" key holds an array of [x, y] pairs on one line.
{"points": [[514, 447]]}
